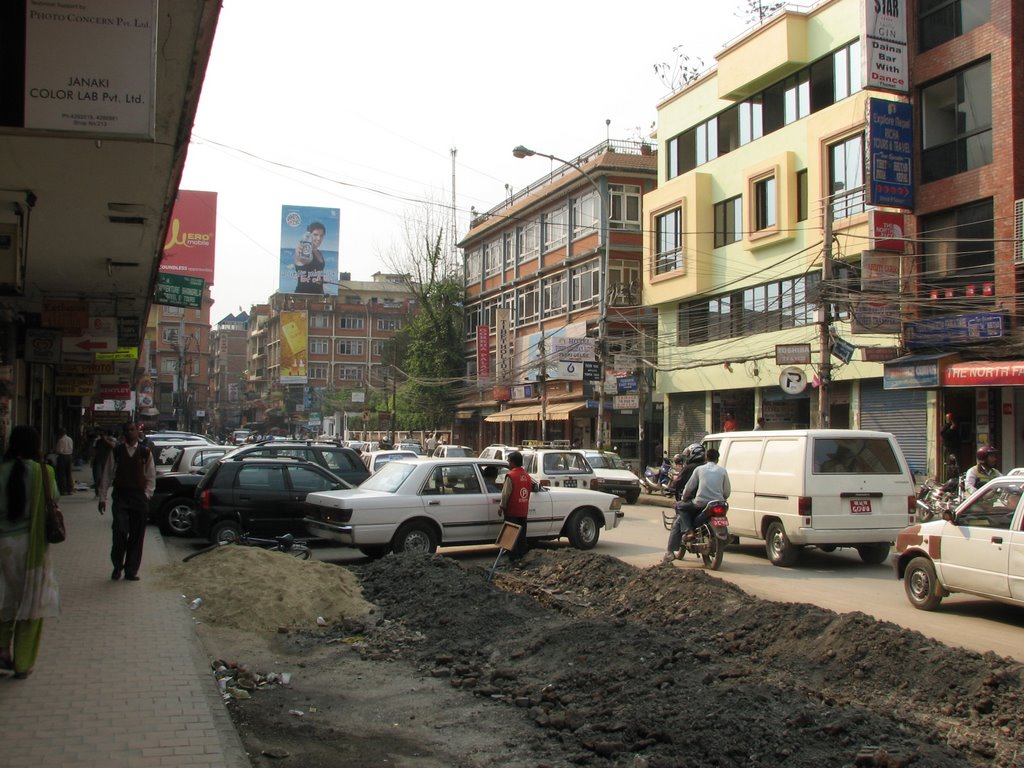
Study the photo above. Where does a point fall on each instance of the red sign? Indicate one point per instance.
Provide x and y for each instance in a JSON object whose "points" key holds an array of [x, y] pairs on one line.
{"points": [[191, 237], [115, 391], [483, 352], [888, 231], [1008, 373]]}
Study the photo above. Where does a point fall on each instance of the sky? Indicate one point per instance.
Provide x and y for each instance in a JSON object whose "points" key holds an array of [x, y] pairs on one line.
{"points": [[357, 106]]}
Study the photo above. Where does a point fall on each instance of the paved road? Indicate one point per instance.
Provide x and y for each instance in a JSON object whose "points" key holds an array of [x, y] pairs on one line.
{"points": [[838, 581]]}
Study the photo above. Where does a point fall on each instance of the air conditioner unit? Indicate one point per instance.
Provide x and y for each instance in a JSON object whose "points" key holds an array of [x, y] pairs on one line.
{"points": [[10, 260], [1018, 232]]}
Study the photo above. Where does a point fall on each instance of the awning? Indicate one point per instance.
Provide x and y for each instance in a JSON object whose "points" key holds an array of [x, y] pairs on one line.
{"points": [[562, 411], [553, 412], [465, 414]]}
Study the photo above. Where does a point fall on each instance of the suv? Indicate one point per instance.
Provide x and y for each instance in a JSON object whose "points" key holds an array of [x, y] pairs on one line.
{"points": [[613, 476], [265, 497], [558, 467], [341, 461]]}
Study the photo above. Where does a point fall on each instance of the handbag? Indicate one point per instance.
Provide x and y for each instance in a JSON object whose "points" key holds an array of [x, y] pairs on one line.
{"points": [[55, 531]]}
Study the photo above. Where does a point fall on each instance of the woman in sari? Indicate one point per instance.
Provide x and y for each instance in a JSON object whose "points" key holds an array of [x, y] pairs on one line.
{"points": [[28, 589]]}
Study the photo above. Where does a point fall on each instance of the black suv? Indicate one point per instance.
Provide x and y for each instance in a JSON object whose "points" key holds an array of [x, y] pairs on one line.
{"points": [[264, 497], [341, 461]]}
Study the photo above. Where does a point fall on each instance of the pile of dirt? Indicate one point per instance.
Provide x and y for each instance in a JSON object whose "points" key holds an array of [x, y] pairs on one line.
{"points": [[581, 659]]}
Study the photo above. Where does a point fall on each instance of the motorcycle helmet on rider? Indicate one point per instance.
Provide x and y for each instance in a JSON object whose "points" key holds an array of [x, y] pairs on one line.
{"points": [[985, 451], [694, 454]]}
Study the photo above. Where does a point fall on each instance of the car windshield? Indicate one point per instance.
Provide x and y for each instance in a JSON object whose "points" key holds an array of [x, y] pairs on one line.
{"points": [[605, 461], [457, 451], [388, 478]]}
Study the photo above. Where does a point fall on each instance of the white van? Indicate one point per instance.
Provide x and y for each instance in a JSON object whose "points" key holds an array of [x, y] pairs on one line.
{"points": [[826, 488]]}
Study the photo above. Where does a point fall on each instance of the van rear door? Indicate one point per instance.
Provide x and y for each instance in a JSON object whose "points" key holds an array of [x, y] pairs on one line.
{"points": [[858, 482]]}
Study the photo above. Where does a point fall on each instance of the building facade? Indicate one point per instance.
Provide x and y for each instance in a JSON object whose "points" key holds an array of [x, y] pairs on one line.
{"points": [[539, 304], [228, 344]]}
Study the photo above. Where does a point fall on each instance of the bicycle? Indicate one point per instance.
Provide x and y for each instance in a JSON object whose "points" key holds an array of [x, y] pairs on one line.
{"points": [[285, 543]]}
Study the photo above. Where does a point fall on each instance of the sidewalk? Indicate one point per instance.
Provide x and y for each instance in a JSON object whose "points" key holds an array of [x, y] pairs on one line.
{"points": [[121, 678]]}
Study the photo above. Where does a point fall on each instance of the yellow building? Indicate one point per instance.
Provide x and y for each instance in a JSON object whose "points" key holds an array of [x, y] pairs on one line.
{"points": [[759, 158]]}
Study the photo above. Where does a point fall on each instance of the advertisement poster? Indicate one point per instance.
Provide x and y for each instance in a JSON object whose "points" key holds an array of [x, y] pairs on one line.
{"points": [[294, 343], [90, 66], [192, 236], [885, 46], [309, 250]]}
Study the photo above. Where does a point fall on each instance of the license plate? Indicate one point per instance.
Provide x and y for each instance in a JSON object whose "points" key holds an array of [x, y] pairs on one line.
{"points": [[860, 506], [720, 522], [568, 483]]}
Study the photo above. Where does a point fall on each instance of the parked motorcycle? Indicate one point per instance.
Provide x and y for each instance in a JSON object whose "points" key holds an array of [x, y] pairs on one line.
{"points": [[711, 533], [656, 479], [934, 499]]}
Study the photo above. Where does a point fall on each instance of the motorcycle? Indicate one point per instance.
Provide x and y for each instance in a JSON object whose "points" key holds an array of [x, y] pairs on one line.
{"points": [[935, 499], [711, 533], [656, 479]]}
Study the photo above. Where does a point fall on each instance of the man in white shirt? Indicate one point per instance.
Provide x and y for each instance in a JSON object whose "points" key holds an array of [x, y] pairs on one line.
{"points": [[65, 449]]}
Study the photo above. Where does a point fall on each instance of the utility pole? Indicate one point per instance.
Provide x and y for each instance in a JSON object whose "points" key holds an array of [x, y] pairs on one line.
{"points": [[825, 326], [542, 379]]}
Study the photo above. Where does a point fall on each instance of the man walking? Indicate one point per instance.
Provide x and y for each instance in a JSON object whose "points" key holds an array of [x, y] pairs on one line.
{"points": [[131, 472], [515, 503], [64, 449]]}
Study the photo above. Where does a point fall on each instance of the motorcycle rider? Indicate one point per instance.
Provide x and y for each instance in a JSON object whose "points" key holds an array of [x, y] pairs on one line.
{"points": [[983, 471], [688, 461], [709, 482]]}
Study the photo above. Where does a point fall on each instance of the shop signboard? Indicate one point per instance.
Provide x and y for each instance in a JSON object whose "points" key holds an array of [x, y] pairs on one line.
{"points": [[792, 354], [890, 153], [954, 330]]}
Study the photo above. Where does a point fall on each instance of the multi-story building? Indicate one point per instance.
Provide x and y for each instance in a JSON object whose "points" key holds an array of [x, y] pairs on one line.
{"points": [[963, 329], [533, 284], [758, 223], [179, 365], [228, 344], [308, 351]]}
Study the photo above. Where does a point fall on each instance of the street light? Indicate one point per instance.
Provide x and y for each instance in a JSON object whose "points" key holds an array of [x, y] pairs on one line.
{"points": [[602, 302]]}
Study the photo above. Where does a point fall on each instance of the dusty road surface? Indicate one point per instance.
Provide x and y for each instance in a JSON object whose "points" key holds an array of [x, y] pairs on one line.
{"points": [[579, 659]]}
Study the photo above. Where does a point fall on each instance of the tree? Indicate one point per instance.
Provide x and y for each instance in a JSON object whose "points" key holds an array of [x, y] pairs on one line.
{"points": [[433, 363], [682, 71], [756, 11]]}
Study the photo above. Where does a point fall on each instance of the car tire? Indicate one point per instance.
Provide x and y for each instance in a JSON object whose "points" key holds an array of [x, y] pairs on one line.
{"points": [[583, 530], [633, 498], [781, 551], [375, 551], [225, 531], [921, 584], [415, 536], [177, 517], [874, 554]]}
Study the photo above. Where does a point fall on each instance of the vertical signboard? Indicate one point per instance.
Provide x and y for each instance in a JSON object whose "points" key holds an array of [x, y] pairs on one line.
{"points": [[483, 354], [890, 146], [90, 66], [309, 250], [888, 230], [885, 46], [294, 342], [504, 343], [191, 239]]}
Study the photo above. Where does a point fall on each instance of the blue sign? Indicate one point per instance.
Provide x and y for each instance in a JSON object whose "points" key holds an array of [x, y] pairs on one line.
{"points": [[626, 384], [954, 329], [890, 149]]}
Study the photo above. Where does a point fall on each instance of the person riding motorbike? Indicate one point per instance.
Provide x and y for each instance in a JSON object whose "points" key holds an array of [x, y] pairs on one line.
{"points": [[983, 471], [691, 459]]}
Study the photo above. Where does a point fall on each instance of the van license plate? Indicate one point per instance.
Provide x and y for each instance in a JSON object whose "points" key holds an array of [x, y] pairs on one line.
{"points": [[860, 506], [568, 483]]}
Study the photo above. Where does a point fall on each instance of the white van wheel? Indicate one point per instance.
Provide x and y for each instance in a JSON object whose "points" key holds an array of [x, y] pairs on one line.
{"points": [[780, 551], [874, 554]]}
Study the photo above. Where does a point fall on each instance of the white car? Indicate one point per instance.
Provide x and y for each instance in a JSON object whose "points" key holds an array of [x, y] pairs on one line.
{"points": [[613, 476], [374, 460], [979, 551], [418, 505], [194, 458], [559, 467], [445, 451]]}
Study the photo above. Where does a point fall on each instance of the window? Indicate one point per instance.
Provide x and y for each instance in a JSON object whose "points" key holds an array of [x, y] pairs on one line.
{"points": [[956, 116], [529, 242], [766, 204], [317, 371], [797, 96], [389, 324], [846, 177], [350, 322], [169, 335], [555, 228], [319, 346], [377, 348], [492, 257], [585, 286], [472, 320], [510, 251], [169, 365], [624, 283], [473, 261], [669, 242], [319, 320], [751, 125], [553, 289], [350, 347], [175, 311], [306, 480], [941, 20], [527, 309], [728, 221], [959, 250], [349, 373], [624, 204], [260, 478], [729, 130], [801, 195], [586, 215]]}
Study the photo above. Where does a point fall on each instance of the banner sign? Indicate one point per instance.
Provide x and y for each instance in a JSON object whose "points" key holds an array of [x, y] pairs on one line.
{"points": [[954, 329], [1004, 373], [572, 348], [309, 250], [68, 315], [591, 371], [504, 345], [877, 316], [42, 346], [890, 152], [179, 291], [74, 386], [888, 230], [625, 402], [625, 384], [294, 344], [843, 349], [792, 354], [885, 45], [571, 370], [483, 353], [191, 238]]}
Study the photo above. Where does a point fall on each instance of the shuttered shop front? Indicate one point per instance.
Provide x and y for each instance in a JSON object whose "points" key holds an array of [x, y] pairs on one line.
{"points": [[901, 412]]}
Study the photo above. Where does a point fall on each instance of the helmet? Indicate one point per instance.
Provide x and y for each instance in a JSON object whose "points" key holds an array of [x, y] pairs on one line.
{"points": [[694, 453], [678, 458], [986, 450]]}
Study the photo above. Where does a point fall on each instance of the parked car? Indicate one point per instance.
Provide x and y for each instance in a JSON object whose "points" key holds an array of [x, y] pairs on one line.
{"points": [[167, 450], [445, 451], [265, 497], [374, 460], [612, 475], [499, 452], [559, 467], [177, 436], [339, 460], [418, 505], [173, 505], [239, 436], [979, 550], [193, 458], [409, 446]]}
